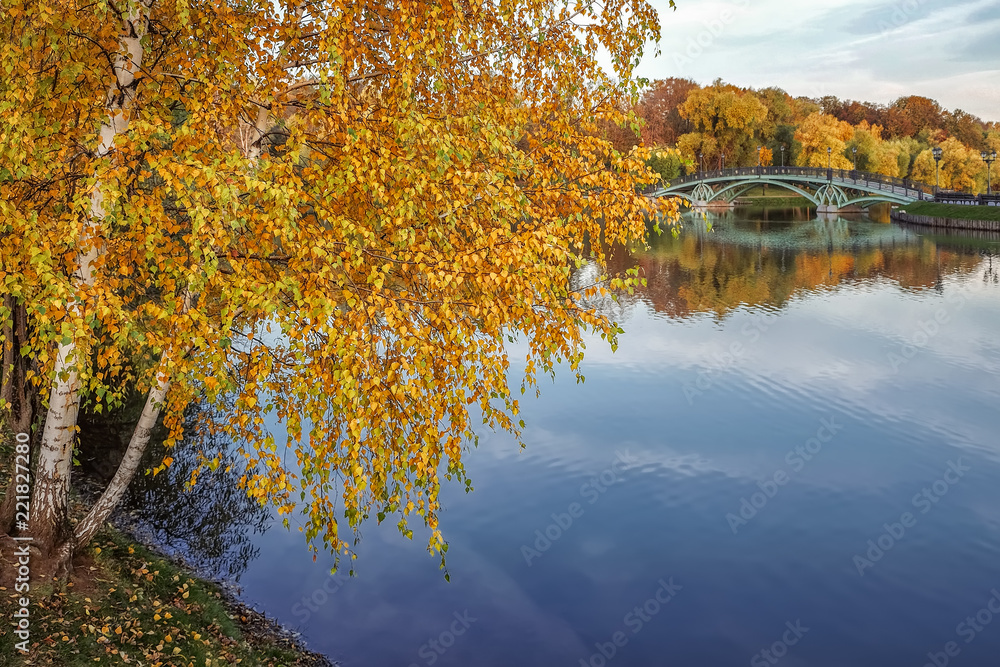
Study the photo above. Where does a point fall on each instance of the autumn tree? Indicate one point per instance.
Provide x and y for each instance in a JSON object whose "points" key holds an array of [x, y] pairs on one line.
{"points": [[334, 213], [802, 107], [876, 155], [780, 105], [830, 104], [909, 115], [961, 168], [855, 113], [993, 141], [698, 148], [726, 119], [889, 138], [622, 136], [660, 110], [864, 147], [824, 140], [965, 127]]}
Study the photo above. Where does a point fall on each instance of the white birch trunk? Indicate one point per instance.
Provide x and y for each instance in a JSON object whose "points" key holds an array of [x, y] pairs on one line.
{"points": [[112, 495], [51, 489], [252, 140], [58, 454], [55, 456]]}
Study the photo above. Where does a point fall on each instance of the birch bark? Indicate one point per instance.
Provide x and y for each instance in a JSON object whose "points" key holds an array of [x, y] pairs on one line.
{"points": [[50, 495]]}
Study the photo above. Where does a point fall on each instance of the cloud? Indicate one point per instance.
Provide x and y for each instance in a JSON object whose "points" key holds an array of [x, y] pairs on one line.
{"points": [[855, 49]]}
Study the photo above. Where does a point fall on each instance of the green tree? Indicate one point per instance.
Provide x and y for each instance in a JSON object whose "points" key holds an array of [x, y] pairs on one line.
{"points": [[876, 155], [666, 162], [784, 138], [907, 149]]}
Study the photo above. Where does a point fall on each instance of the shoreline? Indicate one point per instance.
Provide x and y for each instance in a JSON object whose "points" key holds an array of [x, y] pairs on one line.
{"points": [[946, 223], [949, 216], [127, 593], [254, 623]]}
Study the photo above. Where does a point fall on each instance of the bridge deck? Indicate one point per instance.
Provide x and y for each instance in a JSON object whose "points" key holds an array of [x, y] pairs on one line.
{"points": [[872, 185]]}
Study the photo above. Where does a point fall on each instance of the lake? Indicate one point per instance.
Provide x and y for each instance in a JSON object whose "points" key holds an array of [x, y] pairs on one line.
{"points": [[794, 457]]}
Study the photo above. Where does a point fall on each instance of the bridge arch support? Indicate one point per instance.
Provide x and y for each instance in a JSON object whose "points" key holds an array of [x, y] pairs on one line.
{"points": [[733, 190], [828, 189]]}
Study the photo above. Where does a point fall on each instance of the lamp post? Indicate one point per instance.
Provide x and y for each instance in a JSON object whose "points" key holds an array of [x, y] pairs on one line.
{"points": [[701, 158], [988, 158], [782, 155], [854, 150], [937, 168], [723, 162], [829, 163]]}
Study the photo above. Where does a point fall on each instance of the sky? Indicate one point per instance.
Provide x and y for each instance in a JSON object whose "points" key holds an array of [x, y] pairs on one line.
{"points": [[870, 50]]}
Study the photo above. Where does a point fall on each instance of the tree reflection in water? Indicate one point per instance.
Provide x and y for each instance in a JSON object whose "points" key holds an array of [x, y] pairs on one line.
{"points": [[760, 258], [209, 526], [764, 259], [745, 258]]}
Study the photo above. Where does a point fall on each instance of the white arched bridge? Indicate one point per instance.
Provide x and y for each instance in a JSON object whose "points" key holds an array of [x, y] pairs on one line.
{"points": [[828, 189]]}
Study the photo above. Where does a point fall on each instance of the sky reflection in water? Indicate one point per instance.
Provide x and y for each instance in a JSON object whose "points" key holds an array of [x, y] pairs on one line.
{"points": [[855, 362]]}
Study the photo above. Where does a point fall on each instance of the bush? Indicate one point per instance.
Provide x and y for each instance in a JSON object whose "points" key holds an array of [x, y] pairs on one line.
{"points": [[665, 162]]}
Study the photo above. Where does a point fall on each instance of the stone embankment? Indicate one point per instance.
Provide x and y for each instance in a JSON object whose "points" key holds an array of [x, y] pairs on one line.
{"points": [[948, 223]]}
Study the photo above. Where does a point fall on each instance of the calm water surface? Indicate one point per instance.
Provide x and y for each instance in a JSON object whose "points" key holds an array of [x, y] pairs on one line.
{"points": [[797, 444]]}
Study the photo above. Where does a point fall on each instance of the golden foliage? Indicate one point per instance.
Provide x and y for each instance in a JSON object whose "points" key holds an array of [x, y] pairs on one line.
{"points": [[823, 140], [961, 168], [365, 201], [731, 117]]}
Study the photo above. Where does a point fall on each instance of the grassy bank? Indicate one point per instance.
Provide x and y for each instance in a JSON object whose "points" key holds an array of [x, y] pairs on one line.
{"points": [[773, 197], [126, 605], [954, 211], [776, 202]]}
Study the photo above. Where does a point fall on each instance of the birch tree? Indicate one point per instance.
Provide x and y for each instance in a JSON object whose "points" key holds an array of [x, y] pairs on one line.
{"points": [[335, 213]]}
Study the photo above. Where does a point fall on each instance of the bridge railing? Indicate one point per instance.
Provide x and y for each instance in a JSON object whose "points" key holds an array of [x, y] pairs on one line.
{"points": [[872, 181], [967, 199]]}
